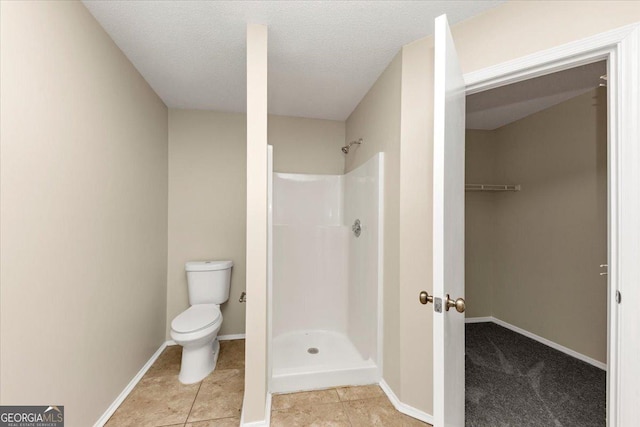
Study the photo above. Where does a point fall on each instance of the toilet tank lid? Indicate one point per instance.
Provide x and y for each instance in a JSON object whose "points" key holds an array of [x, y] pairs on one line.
{"points": [[208, 265]]}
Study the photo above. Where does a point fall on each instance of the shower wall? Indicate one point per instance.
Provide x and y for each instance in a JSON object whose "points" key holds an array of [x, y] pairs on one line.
{"points": [[362, 199], [309, 253], [325, 278]]}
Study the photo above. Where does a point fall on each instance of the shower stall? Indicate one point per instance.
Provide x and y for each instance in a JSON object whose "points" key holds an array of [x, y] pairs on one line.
{"points": [[325, 306]]}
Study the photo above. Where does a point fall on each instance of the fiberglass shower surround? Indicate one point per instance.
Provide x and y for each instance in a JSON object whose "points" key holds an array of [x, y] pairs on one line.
{"points": [[325, 297]]}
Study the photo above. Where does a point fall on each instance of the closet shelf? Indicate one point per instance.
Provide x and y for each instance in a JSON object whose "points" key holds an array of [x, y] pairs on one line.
{"points": [[492, 187]]}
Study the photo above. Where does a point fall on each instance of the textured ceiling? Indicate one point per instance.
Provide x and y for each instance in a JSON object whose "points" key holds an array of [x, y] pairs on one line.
{"points": [[323, 55], [498, 107]]}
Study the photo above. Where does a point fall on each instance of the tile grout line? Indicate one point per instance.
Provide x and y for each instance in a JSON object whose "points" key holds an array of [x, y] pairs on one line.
{"points": [[363, 398], [208, 419], [344, 408], [345, 405], [193, 403], [346, 413], [342, 404], [324, 403]]}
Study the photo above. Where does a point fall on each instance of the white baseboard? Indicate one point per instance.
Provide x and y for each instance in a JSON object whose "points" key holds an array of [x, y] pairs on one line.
{"points": [[403, 407], [231, 337], [123, 395], [478, 319], [540, 339], [262, 423]]}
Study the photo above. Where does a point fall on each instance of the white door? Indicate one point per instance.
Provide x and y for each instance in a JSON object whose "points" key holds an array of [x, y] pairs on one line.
{"points": [[448, 230]]}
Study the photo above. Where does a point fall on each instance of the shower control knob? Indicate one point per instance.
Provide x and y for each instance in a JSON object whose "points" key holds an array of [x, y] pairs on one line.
{"points": [[425, 298], [356, 228]]}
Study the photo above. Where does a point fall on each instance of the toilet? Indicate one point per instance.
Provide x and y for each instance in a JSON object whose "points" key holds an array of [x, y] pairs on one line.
{"points": [[196, 328]]}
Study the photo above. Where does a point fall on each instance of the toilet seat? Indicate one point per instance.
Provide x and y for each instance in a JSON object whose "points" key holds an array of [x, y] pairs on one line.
{"points": [[196, 318]]}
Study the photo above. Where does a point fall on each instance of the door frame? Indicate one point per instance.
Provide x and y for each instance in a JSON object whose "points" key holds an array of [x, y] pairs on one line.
{"points": [[621, 49]]}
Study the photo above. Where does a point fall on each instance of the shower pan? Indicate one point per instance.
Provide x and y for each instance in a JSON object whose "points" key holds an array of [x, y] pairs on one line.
{"points": [[325, 296]]}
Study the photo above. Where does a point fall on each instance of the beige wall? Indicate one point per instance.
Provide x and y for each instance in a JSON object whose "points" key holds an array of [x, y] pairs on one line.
{"points": [[504, 33], [376, 120], [551, 237], [518, 28], [306, 145], [207, 204], [416, 256], [207, 191], [544, 244], [253, 409], [480, 222], [83, 212]]}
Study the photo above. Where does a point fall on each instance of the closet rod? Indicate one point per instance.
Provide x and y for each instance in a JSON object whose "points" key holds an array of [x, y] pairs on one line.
{"points": [[492, 187]]}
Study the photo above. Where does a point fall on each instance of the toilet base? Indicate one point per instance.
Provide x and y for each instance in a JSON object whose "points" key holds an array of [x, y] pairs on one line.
{"points": [[198, 362]]}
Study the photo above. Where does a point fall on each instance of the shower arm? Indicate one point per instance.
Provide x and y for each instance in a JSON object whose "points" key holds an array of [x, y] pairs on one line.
{"points": [[346, 148]]}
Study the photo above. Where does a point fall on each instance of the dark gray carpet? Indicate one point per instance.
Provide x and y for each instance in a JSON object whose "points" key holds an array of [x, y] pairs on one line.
{"points": [[512, 380]]}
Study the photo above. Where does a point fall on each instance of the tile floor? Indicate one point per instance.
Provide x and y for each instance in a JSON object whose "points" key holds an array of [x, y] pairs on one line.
{"points": [[363, 406], [160, 400]]}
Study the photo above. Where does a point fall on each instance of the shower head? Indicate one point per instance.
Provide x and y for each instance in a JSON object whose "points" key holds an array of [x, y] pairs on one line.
{"points": [[346, 148]]}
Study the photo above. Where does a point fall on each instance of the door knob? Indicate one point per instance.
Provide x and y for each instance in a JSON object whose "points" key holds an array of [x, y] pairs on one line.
{"points": [[425, 298], [458, 304]]}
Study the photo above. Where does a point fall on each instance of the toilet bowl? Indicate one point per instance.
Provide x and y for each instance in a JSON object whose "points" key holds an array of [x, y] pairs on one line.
{"points": [[196, 329]]}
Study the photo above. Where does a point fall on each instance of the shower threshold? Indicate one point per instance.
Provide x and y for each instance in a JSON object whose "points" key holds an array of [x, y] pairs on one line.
{"points": [[308, 360]]}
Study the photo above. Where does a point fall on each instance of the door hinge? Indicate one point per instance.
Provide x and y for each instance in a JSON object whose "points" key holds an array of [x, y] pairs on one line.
{"points": [[618, 297]]}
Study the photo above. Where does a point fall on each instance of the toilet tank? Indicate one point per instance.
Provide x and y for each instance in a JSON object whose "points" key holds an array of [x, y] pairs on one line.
{"points": [[208, 281]]}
